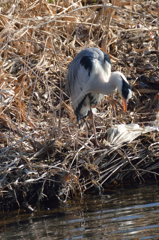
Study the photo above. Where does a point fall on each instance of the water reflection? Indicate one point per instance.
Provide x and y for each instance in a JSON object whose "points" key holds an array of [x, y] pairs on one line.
{"points": [[128, 214]]}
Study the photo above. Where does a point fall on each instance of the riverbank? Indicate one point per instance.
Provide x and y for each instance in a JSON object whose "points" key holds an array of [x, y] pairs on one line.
{"points": [[43, 154]]}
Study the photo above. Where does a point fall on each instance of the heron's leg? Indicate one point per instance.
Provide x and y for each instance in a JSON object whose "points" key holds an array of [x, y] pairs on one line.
{"points": [[82, 123], [85, 121], [94, 128]]}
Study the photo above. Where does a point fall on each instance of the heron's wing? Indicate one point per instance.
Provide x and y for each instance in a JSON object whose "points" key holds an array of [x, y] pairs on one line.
{"points": [[77, 81], [90, 67]]}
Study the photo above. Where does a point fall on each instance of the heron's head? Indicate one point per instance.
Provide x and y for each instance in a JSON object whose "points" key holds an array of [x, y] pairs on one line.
{"points": [[123, 86]]}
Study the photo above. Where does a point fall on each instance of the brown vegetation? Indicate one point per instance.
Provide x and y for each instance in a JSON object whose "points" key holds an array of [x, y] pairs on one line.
{"points": [[42, 154]]}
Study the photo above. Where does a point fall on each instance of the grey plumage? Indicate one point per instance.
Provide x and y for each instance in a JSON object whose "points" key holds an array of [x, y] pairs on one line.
{"points": [[80, 86], [89, 78]]}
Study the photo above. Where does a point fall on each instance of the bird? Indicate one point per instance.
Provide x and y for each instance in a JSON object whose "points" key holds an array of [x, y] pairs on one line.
{"points": [[89, 78]]}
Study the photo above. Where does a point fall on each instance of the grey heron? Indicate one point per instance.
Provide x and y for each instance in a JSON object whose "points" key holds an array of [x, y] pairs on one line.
{"points": [[89, 78]]}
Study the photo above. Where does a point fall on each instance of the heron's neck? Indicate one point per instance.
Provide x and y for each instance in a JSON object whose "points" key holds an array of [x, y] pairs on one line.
{"points": [[107, 87], [101, 84]]}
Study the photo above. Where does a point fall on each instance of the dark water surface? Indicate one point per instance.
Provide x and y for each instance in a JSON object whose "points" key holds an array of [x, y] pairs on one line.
{"points": [[126, 214]]}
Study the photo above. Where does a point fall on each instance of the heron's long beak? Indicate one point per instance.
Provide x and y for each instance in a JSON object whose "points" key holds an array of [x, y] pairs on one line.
{"points": [[124, 104]]}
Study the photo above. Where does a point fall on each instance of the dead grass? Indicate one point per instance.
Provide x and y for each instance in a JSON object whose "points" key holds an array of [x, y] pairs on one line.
{"points": [[42, 155]]}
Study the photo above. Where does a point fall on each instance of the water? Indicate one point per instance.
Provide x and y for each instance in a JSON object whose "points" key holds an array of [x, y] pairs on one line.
{"points": [[125, 214]]}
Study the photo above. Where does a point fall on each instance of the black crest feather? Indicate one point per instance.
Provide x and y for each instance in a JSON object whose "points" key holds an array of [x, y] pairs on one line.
{"points": [[125, 89]]}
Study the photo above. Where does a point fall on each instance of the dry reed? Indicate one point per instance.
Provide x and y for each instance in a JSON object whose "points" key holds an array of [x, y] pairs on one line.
{"points": [[43, 155]]}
